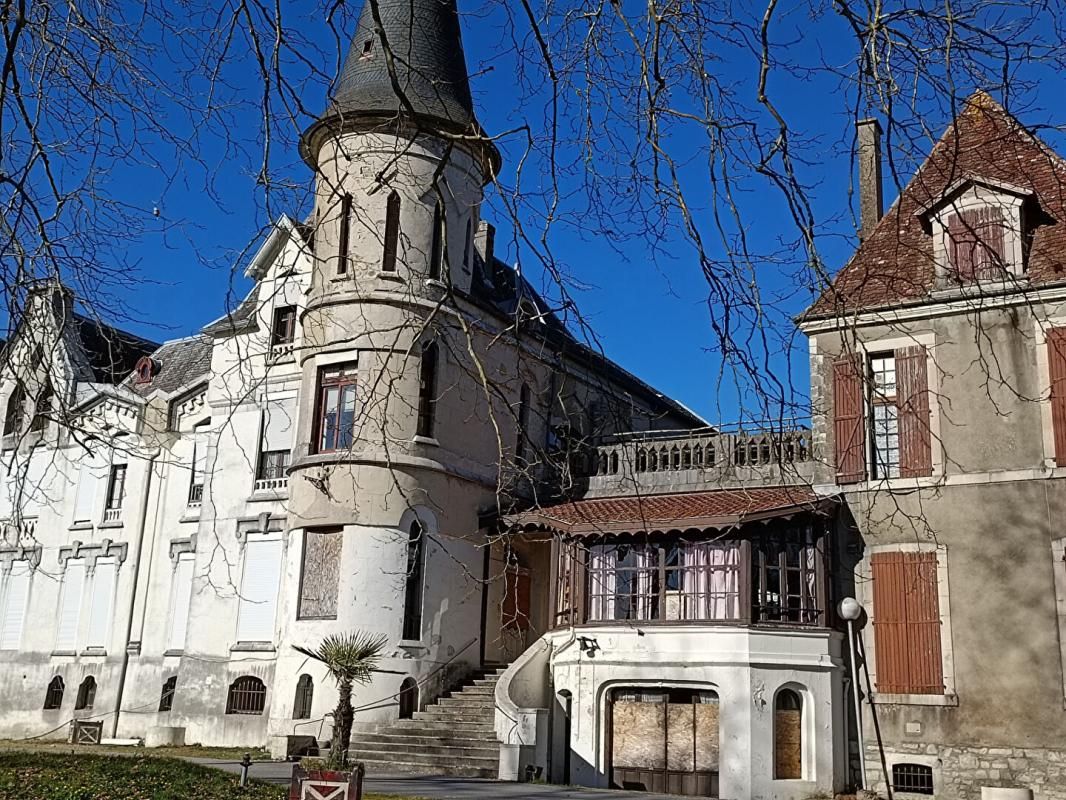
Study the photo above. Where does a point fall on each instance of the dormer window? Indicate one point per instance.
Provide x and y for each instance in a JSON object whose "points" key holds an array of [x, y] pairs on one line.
{"points": [[368, 49], [977, 227], [977, 245], [145, 370]]}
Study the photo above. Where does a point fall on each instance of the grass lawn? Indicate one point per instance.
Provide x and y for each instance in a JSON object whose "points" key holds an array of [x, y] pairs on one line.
{"points": [[61, 776]]}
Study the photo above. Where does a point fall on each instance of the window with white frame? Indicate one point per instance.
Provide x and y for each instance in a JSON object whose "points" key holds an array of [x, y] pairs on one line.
{"points": [[70, 604], [884, 416], [279, 424], [260, 582], [89, 475], [116, 487], [180, 600], [101, 602], [15, 596]]}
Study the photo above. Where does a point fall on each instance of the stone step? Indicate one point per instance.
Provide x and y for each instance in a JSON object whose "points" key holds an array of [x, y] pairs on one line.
{"points": [[437, 760], [466, 715], [441, 739], [473, 691], [461, 701], [432, 727], [428, 753], [374, 767]]}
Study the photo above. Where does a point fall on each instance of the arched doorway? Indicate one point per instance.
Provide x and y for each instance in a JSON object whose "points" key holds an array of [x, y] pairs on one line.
{"points": [[408, 698]]}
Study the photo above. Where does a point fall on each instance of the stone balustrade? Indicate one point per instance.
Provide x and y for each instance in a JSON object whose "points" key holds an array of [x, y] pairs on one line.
{"points": [[663, 460]]}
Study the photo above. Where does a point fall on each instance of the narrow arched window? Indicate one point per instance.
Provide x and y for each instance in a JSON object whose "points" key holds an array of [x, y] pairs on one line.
{"points": [[247, 695], [42, 411], [392, 233], [53, 698], [305, 693], [788, 735], [16, 410], [427, 390], [436, 251], [166, 697], [86, 694], [344, 239], [468, 244], [408, 698], [412, 597]]}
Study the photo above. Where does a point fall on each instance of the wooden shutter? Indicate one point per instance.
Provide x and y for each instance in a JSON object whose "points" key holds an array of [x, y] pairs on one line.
{"points": [[849, 427], [1056, 356], [16, 597], [907, 623], [961, 248], [259, 591], [181, 598], [912, 398], [516, 600], [102, 602], [70, 606]]}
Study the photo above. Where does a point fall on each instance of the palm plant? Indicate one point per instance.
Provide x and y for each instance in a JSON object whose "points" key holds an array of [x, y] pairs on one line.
{"points": [[351, 658]]}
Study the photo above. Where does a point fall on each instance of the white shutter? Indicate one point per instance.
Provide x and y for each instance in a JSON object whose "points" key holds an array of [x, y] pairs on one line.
{"points": [[86, 493], [102, 604], [16, 597], [70, 605], [181, 598], [259, 590], [199, 460], [279, 426], [34, 491]]}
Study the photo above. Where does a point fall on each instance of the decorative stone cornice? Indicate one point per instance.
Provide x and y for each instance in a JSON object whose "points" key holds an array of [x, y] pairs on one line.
{"points": [[264, 523], [93, 552], [180, 546], [9, 555]]}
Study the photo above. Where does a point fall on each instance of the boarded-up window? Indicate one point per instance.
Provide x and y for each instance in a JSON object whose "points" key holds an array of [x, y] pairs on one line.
{"points": [[320, 574], [259, 590], [70, 605], [976, 245], [15, 598], [907, 623], [181, 596], [1056, 347], [102, 602], [665, 740], [848, 427], [788, 735]]}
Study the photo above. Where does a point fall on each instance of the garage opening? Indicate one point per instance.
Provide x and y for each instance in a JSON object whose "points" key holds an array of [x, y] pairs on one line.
{"points": [[664, 740]]}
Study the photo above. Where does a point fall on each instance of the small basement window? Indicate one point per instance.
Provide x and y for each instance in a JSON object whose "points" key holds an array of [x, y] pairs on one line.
{"points": [[166, 698], [913, 778], [53, 698], [247, 695], [86, 694]]}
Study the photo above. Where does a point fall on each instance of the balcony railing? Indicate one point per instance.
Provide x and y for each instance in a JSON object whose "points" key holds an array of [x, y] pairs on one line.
{"points": [[678, 451], [282, 351], [196, 495], [112, 514], [271, 485]]}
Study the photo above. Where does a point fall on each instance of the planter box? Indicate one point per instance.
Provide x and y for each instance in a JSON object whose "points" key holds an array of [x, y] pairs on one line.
{"points": [[323, 784]]}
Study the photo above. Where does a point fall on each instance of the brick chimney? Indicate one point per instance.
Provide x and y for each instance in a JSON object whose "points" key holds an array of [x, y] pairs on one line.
{"points": [[871, 194]]}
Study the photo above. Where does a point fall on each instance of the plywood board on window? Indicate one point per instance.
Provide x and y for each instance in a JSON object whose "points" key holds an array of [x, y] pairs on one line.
{"points": [[639, 735], [788, 744], [707, 737]]}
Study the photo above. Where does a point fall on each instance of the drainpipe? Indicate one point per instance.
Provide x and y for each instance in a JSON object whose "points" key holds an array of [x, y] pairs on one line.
{"points": [[142, 521]]}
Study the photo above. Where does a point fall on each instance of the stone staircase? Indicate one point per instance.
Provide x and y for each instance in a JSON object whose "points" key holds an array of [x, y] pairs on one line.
{"points": [[454, 736]]}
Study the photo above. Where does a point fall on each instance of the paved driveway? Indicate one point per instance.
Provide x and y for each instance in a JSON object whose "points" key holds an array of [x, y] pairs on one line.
{"points": [[437, 787]]}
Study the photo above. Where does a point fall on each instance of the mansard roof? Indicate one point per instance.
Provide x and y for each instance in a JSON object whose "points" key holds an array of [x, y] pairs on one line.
{"points": [[181, 362], [409, 59], [719, 508], [984, 144]]}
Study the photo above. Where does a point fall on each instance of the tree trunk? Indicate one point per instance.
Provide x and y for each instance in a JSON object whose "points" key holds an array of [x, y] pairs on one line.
{"points": [[342, 725]]}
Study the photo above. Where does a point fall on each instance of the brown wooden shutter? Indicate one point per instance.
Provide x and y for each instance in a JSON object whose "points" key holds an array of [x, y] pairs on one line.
{"points": [[849, 427], [907, 623], [912, 398], [1056, 356], [961, 247]]}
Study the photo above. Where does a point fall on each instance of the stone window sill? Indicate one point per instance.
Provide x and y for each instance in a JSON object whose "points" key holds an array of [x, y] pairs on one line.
{"points": [[435, 282], [173, 653], [943, 700], [253, 647], [94, 651], [413, 644], [64, 653], [81, 525], [266, 497], [112, 524], [429, 441], [392, 276]]}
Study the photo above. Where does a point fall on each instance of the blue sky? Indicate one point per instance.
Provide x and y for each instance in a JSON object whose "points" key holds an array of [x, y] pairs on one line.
{"points": [[645, 297]]}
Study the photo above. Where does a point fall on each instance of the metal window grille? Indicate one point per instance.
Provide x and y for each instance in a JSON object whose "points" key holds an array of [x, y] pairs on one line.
{"points": [[166, 699], [86, 694], [53, 698], [914, 778], [247, 695]]}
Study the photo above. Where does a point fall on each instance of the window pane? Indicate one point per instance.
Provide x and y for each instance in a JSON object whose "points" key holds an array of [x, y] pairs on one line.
{"points": [[330, 401]]}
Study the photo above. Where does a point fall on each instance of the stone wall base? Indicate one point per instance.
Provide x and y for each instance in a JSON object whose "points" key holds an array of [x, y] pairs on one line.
{"points": [[959, 772]]}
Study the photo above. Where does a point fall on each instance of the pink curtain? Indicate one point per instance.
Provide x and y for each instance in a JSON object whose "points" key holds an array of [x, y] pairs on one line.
{"points": [[711, 583]]}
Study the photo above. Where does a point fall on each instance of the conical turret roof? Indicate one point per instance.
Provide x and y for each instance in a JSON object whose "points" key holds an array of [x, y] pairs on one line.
{"points": [[407, 56]]}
